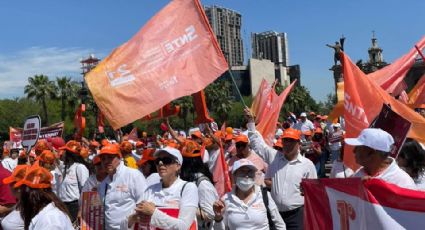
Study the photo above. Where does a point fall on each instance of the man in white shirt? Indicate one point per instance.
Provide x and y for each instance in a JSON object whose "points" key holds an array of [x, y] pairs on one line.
{"points": [[372, 150], [286, 170], [121, 190], [305, 124], [10, 161]]}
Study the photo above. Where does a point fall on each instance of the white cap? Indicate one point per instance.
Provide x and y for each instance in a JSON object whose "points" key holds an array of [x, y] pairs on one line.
{"points": [[242, 163], [373, 138], [172, 151], [303, 114]]}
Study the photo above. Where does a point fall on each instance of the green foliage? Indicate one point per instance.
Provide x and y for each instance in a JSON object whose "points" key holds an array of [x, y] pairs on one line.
{"points": [[41, 89], [298, 101], [219, 99]]}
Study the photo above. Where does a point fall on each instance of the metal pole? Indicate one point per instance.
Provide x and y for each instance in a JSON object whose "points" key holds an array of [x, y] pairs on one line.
{"points": [[236, 86]]}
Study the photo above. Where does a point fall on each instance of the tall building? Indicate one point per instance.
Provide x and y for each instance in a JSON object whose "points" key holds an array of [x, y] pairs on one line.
{"points": [[271, 45], [226, 24]]}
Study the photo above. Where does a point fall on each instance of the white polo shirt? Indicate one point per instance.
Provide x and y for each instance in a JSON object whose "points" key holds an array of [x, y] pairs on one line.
{"points": [[173, 197], [9, 163], [207, 196], [69, 188], [50, 217], [13, 221], [393, 175], [123, 192], [252, 215]]}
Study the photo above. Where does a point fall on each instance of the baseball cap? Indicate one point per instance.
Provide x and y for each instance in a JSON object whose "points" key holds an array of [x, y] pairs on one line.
{"points": [[241, 138], [292, 134], [72, 146], [228, 137], [197, 134], [36, 177], [191, 149], [147, 155], [172, 151], [303, 115], [126, 147], [47, 157], [278, 143], [373, 138], [112, 149], [17, 174], [96, 160], [243, 163], [94, 144]]}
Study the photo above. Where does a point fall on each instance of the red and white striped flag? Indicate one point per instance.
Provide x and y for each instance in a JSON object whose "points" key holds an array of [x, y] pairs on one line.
{"points": [[354, 204]]}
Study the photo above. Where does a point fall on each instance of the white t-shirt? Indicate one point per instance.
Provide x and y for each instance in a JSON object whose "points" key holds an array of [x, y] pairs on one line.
{"points": [[123, 192], [154, 178], [393, 174], [252, 215], [338, 169], [70, 187], [13, 221], [207, 196], [182, 195], [51, 218]]}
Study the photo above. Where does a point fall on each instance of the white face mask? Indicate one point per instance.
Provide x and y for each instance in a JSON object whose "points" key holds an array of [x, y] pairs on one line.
{"points": [[244, 183]]}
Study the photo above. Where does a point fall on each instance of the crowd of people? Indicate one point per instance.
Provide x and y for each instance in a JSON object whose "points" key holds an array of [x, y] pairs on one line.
{"points": [[140, 180]]}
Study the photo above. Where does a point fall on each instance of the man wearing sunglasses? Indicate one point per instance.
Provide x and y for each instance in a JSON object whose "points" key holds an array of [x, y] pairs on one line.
{"points": [[286, 170], [243, 151], [121, 190]]}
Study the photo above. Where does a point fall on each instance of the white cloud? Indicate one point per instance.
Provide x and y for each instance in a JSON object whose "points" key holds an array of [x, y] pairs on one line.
{"points": [[54, 62]]}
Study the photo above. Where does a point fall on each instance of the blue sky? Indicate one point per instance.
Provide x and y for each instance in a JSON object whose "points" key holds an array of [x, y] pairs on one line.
{"points": [[50, 36]]}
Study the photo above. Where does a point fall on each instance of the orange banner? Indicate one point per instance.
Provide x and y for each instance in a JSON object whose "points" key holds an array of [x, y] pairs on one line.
{"points": [[267, 127], [391, 76], [261, 100], [363, 102], [417, 94], [338, 110], [175, 54]]}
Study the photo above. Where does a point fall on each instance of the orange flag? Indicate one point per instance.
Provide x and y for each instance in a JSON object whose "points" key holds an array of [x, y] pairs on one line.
{"points": [[267, 126], [338, 110], [391, 76], [417, 94], [175, 54], [221, 174], [261, 100], [363, 102]]}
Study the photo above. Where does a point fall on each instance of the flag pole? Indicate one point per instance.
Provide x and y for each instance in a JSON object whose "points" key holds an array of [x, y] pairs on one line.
{"points": [[236, 86], [420, 52]]}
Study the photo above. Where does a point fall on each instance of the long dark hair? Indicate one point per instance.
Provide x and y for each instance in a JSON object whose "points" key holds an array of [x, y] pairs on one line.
{"points": [[192, 166], [71, 158], [34, 200], [414, 155]]}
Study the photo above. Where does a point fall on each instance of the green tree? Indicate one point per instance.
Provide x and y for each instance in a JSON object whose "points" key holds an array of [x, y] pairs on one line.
{"points": [[41, 89], [67, 92], [299, 100], [218, 97]]}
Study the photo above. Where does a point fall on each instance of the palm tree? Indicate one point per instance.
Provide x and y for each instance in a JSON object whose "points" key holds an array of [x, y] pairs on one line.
{"points": [[67, 92], [40, 88]]}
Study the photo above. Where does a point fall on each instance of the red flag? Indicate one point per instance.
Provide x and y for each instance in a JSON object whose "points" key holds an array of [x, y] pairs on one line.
{"points": [[175, 54], [363, 102], [391, 76], [133, 135], [262, 99], [267, 126], [354, 204], [221, 174]]}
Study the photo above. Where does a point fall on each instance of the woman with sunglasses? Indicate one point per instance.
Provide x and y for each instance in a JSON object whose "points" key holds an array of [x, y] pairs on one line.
{"points": [[247, 206], [196, 171], [171, 203]]}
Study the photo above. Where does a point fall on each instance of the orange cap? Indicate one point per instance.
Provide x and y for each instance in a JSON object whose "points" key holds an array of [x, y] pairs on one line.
{"points": [[47, 157], [126, 147], [139, 144], [104, 142], [72, 146], [40, 146], [36, 177], [94, 144], [318, 130], [113, 149], [191, 149], [278, 143], [17, 174], [172, 144], [218, 134], [147, 155], [228, 137], [307, 133], [241, 138], [197, 134], [229, 130], [96, 160], [84, 152], [208, 142], [292, 134], [22, 153]]}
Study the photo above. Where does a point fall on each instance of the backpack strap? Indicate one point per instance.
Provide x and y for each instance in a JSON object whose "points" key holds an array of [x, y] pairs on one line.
{"points": [[181, 192], [266, 203]]}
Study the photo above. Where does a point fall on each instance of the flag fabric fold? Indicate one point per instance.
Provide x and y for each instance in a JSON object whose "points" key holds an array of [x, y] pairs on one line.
{"points": [[363, 100], [262, 99], [355, 204], [417, 94], [175, 54]]}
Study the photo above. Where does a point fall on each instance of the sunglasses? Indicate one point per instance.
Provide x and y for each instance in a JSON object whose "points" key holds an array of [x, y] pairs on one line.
{"points": [[165, 161], [240, 145]]}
